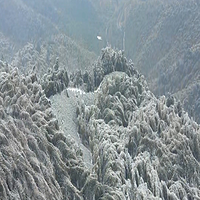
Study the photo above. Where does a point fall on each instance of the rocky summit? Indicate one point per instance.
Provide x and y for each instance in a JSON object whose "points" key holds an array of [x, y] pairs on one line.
{"points": [[99, 135]]}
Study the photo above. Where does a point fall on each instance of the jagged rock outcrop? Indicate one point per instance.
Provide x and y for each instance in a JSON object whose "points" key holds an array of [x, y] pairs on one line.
{"points": [[142, 147]]}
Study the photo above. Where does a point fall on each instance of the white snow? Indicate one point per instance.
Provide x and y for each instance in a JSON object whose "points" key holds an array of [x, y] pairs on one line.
{"points": [[64, 108]]}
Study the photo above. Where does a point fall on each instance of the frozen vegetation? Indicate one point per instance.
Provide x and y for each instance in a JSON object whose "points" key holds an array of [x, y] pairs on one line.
{"points": [[77, 127], [142, 147], [113, 140], [161, 37], [36, 160]]}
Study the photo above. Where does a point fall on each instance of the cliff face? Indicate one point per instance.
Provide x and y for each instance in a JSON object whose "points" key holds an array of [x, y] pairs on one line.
{"points": [[141, 147]]}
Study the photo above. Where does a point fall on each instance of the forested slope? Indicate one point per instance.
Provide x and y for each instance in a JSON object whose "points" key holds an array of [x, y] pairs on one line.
{"points": [[142, 147], [34, 35], [162, 38]]}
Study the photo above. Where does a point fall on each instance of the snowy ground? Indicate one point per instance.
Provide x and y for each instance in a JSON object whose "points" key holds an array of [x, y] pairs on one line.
{"points": [[64, 107]]}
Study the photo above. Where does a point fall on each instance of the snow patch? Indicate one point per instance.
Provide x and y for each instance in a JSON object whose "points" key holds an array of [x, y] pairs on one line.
{"points": [[76, 90]]}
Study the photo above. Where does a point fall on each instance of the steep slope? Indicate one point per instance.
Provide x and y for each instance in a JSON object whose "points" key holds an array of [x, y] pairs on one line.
{"points": [[158, 35], [76, 18], [36, 160], [43, 55], [23, 24], [142, 147], [157, 32], [34, 34], [7, 48], [162, 37], [182, 80]]}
